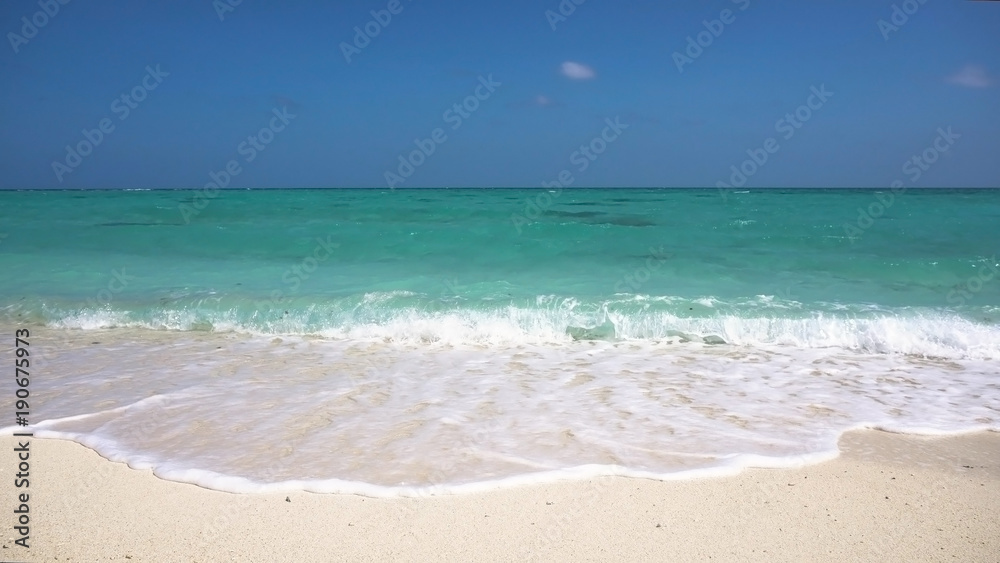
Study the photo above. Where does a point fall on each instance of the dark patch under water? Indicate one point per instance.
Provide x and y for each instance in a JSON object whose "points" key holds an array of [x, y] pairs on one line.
{"points": [[126, 224], [579, 214], [626, 221]]}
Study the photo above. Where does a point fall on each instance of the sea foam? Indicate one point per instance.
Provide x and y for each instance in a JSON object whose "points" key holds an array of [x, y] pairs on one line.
{"points": [[249, 414]]}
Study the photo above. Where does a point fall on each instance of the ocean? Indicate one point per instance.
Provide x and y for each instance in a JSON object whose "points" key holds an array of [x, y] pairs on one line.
{"points": [[408, 342]]}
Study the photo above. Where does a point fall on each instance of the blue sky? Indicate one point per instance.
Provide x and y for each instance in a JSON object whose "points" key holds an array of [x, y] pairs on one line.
{"points": [[346, 124]]}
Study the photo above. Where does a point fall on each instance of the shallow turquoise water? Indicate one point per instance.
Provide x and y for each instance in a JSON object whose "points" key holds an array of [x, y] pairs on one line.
{"points": [[649, 262]]}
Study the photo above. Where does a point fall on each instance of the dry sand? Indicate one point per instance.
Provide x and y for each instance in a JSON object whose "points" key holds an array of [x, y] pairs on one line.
{"points": [[887, 498]]}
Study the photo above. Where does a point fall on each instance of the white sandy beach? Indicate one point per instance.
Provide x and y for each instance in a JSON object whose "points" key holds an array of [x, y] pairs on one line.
{"points": [[887, 498]]}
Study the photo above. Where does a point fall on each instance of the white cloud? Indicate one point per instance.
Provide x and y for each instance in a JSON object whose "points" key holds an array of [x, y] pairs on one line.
{"points": [[971, 76], [577, 71]]}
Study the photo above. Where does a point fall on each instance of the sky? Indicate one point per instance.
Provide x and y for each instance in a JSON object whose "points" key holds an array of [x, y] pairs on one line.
{"points": [[511, 93]]}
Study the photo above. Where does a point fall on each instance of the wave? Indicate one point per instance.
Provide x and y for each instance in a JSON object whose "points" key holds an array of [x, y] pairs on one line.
{"points": [[407, 317]]}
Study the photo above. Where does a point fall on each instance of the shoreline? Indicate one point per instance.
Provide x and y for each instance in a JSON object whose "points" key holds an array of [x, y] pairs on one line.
{"points": [[888, 497]]}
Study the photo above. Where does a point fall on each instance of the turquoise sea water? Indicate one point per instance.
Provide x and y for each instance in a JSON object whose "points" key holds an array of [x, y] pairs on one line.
{"points": [[608, 301], [649, 261]]}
